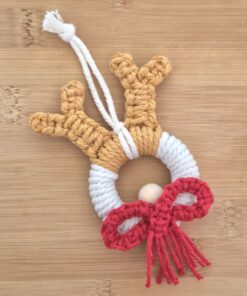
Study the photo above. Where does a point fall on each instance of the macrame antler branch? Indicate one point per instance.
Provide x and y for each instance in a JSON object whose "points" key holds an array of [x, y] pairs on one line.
{"points": [[139, 85], [123, 66], [155, 71], [101, 145]]}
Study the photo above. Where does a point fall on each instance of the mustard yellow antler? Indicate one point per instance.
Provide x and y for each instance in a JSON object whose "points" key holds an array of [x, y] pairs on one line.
{"points": [[101, 145], [155, 71], [139, 85]]}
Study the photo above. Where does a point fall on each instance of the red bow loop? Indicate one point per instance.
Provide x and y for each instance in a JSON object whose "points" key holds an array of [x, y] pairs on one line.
{"points": [[204, 198], [124, 241], [158, 225]]}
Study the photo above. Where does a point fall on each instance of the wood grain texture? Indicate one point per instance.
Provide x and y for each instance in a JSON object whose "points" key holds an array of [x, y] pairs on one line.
{"points": [[49, 234]]}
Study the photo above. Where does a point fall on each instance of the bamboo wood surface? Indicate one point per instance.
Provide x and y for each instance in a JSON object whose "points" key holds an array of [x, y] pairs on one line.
{"points": [[49, 233]]}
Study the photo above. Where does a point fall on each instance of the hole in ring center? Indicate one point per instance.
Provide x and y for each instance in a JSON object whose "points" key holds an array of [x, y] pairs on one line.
{"points": [[136, 173]]}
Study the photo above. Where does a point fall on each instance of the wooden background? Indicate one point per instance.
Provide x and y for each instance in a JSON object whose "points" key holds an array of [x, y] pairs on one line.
{"points": [[49, 233]]}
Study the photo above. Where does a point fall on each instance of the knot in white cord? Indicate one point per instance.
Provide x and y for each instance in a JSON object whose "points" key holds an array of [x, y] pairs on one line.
{"points": [[118, 128], [53, 23], [69, 32]]}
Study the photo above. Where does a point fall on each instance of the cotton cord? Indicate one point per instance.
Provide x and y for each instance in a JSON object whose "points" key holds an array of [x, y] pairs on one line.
{"points": [[104, 195], [53, 23], [177, 157]]}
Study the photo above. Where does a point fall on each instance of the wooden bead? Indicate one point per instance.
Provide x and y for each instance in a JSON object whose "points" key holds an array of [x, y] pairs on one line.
{"points": [[150, 192]]}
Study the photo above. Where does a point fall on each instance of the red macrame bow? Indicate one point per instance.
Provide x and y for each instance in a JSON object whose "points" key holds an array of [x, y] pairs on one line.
{"points": [[158, 225]]}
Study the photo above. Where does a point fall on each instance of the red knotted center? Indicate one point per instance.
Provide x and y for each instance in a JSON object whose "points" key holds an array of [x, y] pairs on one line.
{"points": [[158, 226]]}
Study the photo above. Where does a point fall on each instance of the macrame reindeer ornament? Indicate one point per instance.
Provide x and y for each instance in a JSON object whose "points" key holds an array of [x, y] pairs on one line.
{"points": [[126, 225]]}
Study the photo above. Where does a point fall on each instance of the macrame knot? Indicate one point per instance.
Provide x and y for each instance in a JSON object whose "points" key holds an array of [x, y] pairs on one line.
{"points": [[68, 32], [158, 226], [54, 23]]}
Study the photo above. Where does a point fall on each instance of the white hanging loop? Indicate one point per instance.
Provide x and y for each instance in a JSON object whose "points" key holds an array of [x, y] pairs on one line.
{"points": [[53, 23]]}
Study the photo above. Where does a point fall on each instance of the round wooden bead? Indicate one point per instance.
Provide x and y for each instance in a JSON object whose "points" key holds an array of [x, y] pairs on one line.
{"points": [[150, 192]]}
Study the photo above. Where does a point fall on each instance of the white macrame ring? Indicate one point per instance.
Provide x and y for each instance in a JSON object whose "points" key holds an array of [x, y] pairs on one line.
{"points": [[171, 151]]}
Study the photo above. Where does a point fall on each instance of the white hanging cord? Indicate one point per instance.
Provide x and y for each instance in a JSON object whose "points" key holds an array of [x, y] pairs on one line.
{"points": [[53, 23]]}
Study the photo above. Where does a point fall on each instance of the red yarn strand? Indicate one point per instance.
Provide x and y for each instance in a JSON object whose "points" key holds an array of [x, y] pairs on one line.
{"points": [[168, 262], [175, 257], [162, 262], [149, 258], [188, 257], [159, 276], [203, 259], [178, 251]]}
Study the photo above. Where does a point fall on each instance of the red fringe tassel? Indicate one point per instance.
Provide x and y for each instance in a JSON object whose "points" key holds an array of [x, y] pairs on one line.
{"points": [[175, 251]]}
